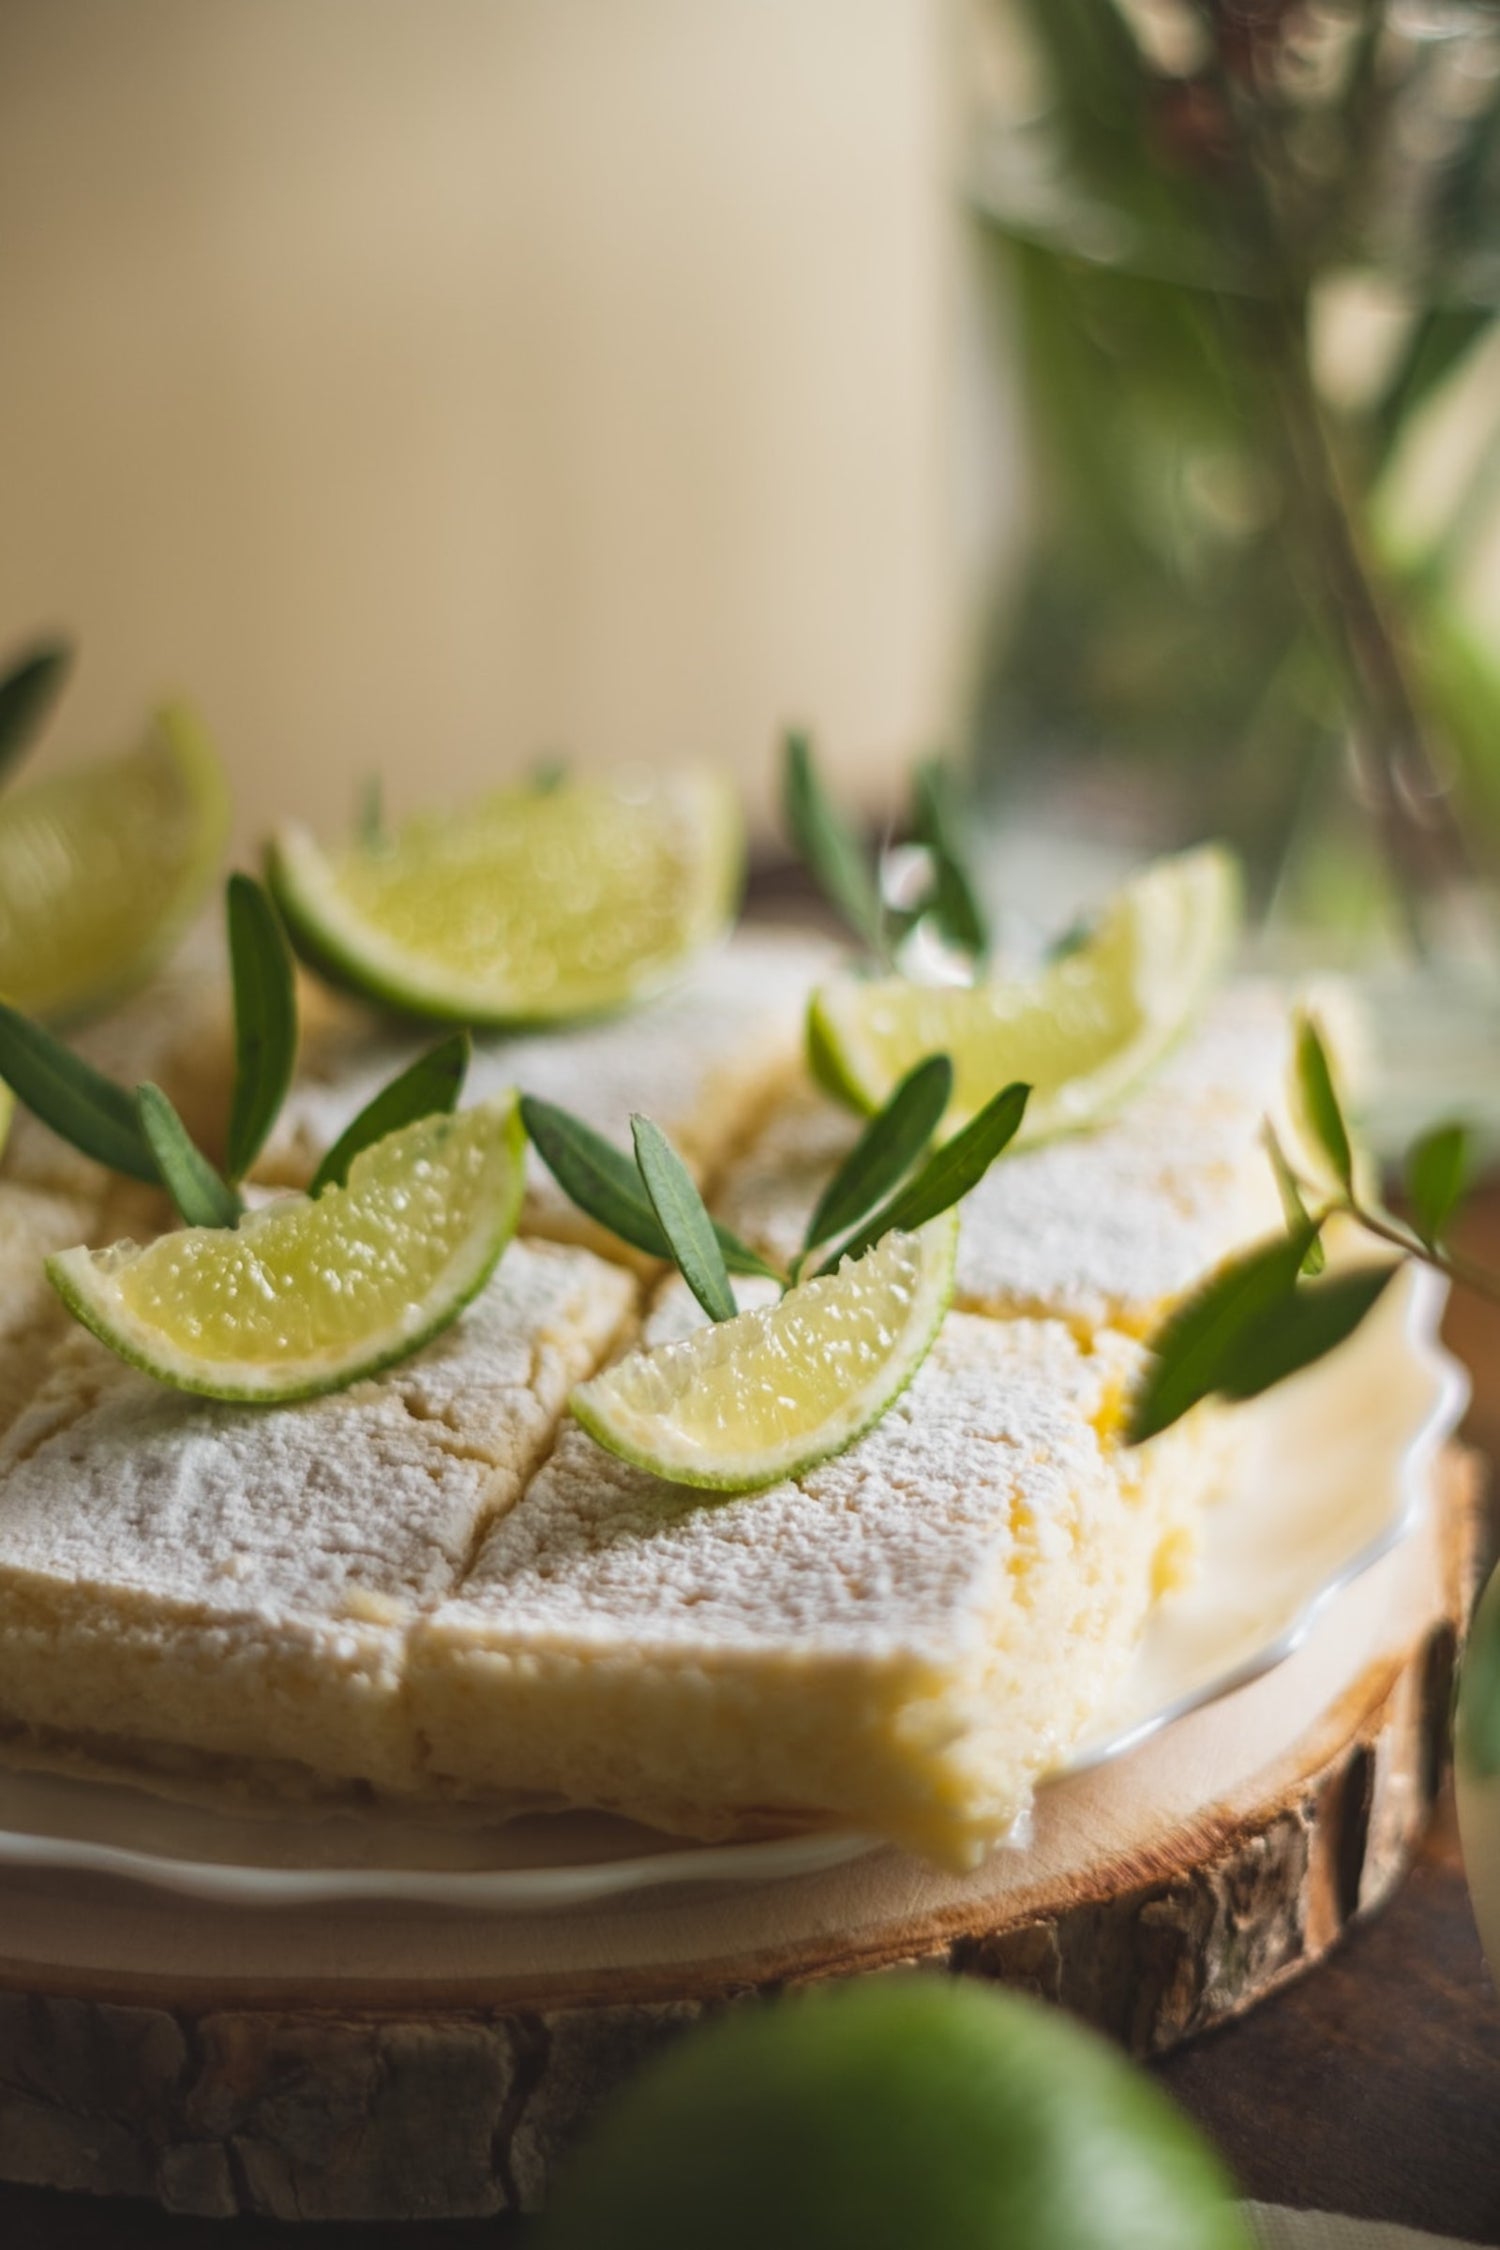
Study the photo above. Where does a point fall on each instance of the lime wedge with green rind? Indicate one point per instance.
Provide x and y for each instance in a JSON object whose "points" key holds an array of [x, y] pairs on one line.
{"points": [[1082, 1034], [305, 1295], [102, 868], [743, 1403], [533, 906]]}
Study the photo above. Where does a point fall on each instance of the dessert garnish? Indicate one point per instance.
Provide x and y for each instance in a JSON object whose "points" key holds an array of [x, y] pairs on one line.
{"points": [[536, 905], [1280, 1306], [403, 1224], [858, 883], [1083, 1032], [101, 867], [764, 1393]]}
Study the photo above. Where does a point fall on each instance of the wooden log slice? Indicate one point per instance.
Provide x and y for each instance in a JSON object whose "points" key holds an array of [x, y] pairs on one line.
{"points": [[366, 2063]]}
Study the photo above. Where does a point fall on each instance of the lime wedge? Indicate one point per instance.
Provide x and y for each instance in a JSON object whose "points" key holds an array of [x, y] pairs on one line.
{"points": [[305, 1296], [745, 1402], [101, 868], [533, 906], [1081, 1034]]}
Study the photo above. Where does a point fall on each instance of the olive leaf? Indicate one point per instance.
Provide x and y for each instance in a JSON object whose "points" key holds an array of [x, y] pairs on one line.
{"points": [[684, 1220], [431, 1084], [832, 852], [607, 1187], [947, 1176], [1293, 1205], [265, 1019], [1194, 1350], [28, 689], [937, 823], [79, 1103], [202, 1198], [886, 1150], [1322, 1111], [1479, 1693], [1437, 1175]]}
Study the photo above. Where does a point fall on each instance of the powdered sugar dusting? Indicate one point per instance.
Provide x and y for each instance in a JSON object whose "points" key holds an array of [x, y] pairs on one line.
{"points": [[895, 1546]]}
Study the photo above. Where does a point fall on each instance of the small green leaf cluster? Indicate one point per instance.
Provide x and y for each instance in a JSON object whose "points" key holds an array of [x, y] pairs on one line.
{"points": [[850, 876], [892, 1179], [1276, 1309], [139, 1132]]}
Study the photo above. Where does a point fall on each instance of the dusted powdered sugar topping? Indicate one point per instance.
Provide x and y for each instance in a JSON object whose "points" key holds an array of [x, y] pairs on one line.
{"points": [[377, 1493], [1102, 1227], [895, 1547], [696, 1059]]}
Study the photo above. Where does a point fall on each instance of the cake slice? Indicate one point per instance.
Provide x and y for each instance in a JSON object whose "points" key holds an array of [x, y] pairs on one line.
{"points": [[1105, 1228], [209, 1592], [34, 1221], [900, 1641], [703, 1060]]}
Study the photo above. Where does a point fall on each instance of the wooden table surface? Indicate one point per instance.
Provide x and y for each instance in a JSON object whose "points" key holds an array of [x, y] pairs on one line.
{"points": [[1371, 2087]]}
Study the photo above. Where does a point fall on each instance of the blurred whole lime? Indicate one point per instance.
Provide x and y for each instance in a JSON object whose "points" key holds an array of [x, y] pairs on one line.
{"points": [[912, 2113]]}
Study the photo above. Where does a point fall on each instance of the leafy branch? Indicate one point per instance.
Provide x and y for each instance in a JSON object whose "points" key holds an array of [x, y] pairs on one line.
{"points": [[1276, 1309], [852, 877], [138, 1132], [892, 1178]]}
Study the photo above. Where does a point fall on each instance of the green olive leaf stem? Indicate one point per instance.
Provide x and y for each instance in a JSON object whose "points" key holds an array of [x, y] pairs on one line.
{"points": [[430, 1084], [201, 1196], [832, 852], [77, 1102], [1322, 1111], [1437, 1175], [684, 1219], [937, 823], [29, 687], [947, 1176], [606, 1186], [265, 1019], [885, 1152]]}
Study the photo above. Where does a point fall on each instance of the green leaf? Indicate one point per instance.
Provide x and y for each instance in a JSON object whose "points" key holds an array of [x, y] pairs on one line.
{"points": [[369, 817], [1298, 1217], [684, 1221], [606, 1185], [832, 852], [79, 1103], [886, 1150], [1479, 1691], [28, 690], [938, 823], [1193, 1353], [1287, 1337], [1437, 1174], [1322, 1112], [432, 1083], [947, 1176], [203, 1199], [265, 1019]]}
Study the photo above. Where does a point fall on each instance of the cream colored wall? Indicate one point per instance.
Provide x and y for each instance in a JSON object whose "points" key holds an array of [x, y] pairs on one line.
{"points": [[428, 384]]}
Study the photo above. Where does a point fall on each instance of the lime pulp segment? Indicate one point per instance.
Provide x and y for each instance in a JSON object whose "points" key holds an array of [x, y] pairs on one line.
{"points": [[306, 1295], [534, 905], [1080, 1034], [102, 867], [745, 1402]]}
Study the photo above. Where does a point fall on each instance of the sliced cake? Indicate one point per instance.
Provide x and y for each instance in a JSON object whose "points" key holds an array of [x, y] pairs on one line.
{"points": [[703, 1060], [900, 1641], [183, 1581]]}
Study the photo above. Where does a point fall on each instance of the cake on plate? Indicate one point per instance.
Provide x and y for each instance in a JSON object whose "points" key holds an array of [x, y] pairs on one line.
{"points": [[436, 1587]]}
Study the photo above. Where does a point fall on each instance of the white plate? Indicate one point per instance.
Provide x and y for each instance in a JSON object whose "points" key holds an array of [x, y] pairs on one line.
{"points": [[1331, 1471]]}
